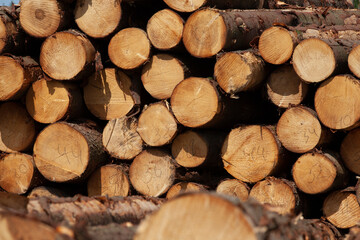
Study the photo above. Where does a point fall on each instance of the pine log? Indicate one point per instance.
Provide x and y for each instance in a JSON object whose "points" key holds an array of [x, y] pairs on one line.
{"points": [[109, 180], [125, 231], [184, 187], [299, 130], [234, 187], [349, 150], [198, 148], [316, 173], [129, 48], [66, 152], [251, 153], [17, 128], [16, 75], [120, 138], [46, 191], [152, 172], [108, 94], [279, 195], [239, 71], [342, 93], [67, 55], [97, 18], [353, 61], [11, 37], [41, 18], [165, 29], [309, 3], [342, 209], [285, 88], [51, 101]]}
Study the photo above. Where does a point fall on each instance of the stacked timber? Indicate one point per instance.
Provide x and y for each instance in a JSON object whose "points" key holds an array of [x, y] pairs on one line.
{"points": [[219, 118]]}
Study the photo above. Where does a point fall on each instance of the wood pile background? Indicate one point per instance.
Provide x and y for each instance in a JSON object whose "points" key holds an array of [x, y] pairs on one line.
{"points": [[174, 119]]}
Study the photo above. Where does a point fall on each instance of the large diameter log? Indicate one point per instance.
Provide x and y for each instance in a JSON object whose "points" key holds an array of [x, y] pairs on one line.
{"points": [[234, 187], [309, 3], [17, 128], [349, 150], [109, 180], [184, 187], [353, 61], [66, 152], [51, 101], [285, 88], [152, 172], [108, 94], [316, 173], [67, 55], [165, 29], [120, 138], [11, 37], [41, 18], [342, 93], [129, 48], [97, 18], [16, 75], [251, 153], [157, 126], [239, 71]]}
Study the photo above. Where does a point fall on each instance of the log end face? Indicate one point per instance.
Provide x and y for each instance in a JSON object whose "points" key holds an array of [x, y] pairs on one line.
{"points": [[184, 5], [234, 187], [12, 77], [3, 35], [184, 187], [350, 151], [354, 61]]}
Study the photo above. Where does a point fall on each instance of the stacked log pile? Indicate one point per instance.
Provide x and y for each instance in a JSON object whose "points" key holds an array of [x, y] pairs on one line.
{"points": [[224, 118]]}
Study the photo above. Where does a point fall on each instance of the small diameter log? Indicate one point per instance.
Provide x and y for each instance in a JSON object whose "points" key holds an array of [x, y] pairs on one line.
{"points": [[51, 101], [161, 75], [48, 192], [239, 71], [278, 195], [11, 37], [251, 153], [109, 180], [41, 18], [340, 93], [350, 151], [16, 75], [198, 148], [234, 187], [157, 126], [316, 173], [165, 29], [299, 130], [120, 138], [17, 128], [97, 18], [129, 48], [66, 152], [353, 61], [19, 173], [152, 172], [184, 187], [342, 209], [108, 94], [67, 55]]}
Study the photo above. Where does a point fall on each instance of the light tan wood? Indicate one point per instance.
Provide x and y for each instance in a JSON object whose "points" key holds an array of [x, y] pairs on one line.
{"points": [[184, 187], [18, 173], [354, 62], [64, 55], [97, 18], [129, 48], [276, 45], [120, 138], [45, 191], [234, 187], [284, 87], [51, 101], [157, 126], [313, 60], [337, 100], [185, 6], [161, 75], [350, 151], [316, 173], [298, 129], [342, 209], [109, 180], [108, 94], [66, 152], [165, 29], [277, 195], [17, 128], [239, 71], [251, 153], [152, 172]]}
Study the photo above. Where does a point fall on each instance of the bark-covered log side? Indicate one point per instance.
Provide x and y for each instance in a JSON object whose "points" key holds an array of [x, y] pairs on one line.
{"points": [[12, 38], [308, 3]]}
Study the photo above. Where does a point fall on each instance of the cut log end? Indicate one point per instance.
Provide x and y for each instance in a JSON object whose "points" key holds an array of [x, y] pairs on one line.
{"points": [[313, 60], [3, 35], [276, 45], [44, 191], [12, 77], [185, 6], [354, 61], [234, 187], [350, 152], [184, 187]]}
